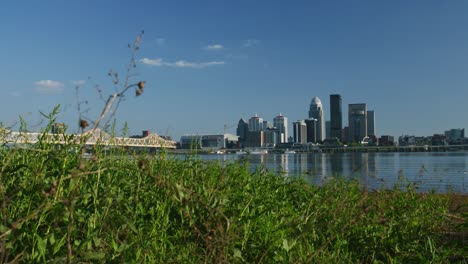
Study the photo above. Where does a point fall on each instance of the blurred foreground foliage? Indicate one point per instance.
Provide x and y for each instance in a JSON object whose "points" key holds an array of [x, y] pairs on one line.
{"points": [[58, 205]]}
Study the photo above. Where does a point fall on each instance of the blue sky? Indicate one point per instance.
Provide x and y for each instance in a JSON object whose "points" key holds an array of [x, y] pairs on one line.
{"points": [[209, 63]]}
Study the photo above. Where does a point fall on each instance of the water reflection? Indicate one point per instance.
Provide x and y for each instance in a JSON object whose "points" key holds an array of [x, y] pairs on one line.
{"points": [[426, 171]]}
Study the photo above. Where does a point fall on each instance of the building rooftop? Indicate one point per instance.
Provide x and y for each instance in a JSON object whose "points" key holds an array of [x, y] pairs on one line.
{"points": [[316, 101]]}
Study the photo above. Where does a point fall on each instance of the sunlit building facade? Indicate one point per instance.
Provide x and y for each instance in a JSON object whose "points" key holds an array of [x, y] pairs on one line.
{"points": [[316, 112], [255, 123], [300, 132], [281, 123]]}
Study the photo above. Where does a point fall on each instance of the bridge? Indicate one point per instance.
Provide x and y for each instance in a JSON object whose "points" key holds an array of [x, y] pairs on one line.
{"points": [[92, 137]]}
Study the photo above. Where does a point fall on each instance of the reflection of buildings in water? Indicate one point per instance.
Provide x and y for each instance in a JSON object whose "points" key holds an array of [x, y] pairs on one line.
{"points": [[303, 163], [299, 161], [364, 169], [371, 170], [282, 161], [255, 161], [316, 168], [336, 165], [356, 164], [262, 158], [360, 166]]}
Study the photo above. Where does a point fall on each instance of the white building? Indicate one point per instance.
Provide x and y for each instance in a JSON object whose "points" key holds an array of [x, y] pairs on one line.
{"points": [[281, 123], [207, 141], [255, 123], [316, 111], [300, 132]]}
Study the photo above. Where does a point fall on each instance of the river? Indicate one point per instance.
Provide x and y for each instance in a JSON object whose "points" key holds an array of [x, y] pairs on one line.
{"points": [[441, 172]]}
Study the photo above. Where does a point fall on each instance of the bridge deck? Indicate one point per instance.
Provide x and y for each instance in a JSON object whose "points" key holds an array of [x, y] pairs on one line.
{"points": [[93, 137]]}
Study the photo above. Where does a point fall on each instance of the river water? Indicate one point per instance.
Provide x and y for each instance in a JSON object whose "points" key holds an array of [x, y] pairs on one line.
{"points": [[442, 172]]}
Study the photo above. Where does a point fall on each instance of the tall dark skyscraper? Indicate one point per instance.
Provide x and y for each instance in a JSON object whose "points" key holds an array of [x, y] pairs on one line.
{"points": [[357, 120], [311, 125], [242, 130], [336, 116]]}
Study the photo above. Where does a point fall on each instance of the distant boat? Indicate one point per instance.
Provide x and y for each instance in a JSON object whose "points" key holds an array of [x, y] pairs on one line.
{"points": [[219, 152], [290, 152], [241, 152]]}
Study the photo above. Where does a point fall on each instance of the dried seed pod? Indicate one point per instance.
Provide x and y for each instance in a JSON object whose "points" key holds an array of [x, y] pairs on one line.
{"points": [[138, 92], [141, 85], [83, 123]]}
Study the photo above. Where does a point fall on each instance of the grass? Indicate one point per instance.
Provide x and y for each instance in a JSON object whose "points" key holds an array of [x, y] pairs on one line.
{"points": [[117, 207]]}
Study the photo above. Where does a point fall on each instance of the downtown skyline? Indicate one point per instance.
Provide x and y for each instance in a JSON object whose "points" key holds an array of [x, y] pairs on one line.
{"points": [[209, 63]]}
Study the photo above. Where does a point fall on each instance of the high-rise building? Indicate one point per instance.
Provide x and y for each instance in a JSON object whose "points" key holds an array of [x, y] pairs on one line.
{"points": [[266, 125], [255, 139], [327, 129], [255, 123], [300, 132], [311, 125], [371, 123], [345, 135], [336, 117], [357, 121], [316, 112], [281, 123], [242, 130], [271, 137]]}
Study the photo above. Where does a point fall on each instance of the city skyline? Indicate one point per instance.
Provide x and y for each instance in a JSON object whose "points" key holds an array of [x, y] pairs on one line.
{"points": [[205, 67]]}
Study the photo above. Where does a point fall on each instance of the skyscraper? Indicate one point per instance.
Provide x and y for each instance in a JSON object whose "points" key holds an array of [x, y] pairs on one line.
{"points": [[300, 132], [371, 123], [311, 125], [281, 123], [242, 130], [255, 123], [316, 111], [357, 121], [336, 123]]}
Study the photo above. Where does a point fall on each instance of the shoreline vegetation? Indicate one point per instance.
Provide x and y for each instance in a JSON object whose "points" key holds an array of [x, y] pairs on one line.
{"points": [[57, 206]]}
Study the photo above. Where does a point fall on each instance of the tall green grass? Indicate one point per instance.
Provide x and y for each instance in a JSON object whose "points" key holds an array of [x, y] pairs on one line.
{"points": [[115, 206]]}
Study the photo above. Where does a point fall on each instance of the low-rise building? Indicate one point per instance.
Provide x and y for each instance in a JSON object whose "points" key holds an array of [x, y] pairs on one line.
{"points": [[386, 140], [208, 141], [455, 136]]}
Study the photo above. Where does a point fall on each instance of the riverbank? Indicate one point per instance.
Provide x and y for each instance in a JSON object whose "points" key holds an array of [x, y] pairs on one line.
{"points": [[57, 206], [331, 149]]}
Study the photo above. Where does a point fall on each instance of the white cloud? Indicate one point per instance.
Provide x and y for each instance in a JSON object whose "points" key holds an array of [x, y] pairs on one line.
{"points": [[180, 63], [214, 47], [79, 82], [152, 62], [49, 86], [251, 43]]}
